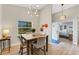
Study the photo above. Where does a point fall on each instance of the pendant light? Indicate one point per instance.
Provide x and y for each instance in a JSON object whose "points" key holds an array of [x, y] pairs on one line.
{"points": [[62, 17]]}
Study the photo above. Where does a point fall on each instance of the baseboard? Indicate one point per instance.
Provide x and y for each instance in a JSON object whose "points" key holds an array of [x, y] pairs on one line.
{"points": [[15, 44]]}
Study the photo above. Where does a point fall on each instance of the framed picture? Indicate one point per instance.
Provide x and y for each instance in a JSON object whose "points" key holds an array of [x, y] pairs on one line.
{"points": [[24, 27]]}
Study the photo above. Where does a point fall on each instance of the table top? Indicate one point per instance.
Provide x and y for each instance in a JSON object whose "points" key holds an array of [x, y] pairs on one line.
{"points": [[32, 37], [1, 39]]}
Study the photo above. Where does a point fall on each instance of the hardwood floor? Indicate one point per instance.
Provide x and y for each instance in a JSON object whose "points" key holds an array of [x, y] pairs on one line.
{"points": [[65, 47]]}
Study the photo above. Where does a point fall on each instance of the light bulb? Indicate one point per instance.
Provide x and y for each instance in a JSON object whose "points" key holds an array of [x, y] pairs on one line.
{"points": [[28, 12], [35, 13], [37, 5]]}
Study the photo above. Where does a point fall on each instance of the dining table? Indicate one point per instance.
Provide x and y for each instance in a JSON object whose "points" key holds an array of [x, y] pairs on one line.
{"points": [[32, 38]]}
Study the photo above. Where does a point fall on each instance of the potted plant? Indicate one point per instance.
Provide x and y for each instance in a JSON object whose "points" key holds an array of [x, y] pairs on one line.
{"points": [[33, 30]]}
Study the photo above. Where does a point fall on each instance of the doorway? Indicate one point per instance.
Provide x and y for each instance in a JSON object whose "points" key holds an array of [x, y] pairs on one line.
{"points": [[62, 32]]}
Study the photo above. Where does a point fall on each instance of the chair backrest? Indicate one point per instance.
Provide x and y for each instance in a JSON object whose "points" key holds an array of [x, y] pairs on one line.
{"points": [[41, 41], [22, 40]]}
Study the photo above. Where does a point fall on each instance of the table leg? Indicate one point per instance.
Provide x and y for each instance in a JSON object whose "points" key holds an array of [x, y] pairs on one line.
{"points": [[9, 44], [46, 43], [31, 49], [0, 47], [27, 47], [3, 45]]}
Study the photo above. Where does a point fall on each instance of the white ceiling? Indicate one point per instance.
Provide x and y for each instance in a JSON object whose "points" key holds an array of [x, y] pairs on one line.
{"points": [[39, 6], [55, 7], [58, 7]]}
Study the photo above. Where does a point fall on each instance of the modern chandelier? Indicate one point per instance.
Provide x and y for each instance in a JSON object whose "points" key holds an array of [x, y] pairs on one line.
{"points": [[33, 10], [62, 17]]}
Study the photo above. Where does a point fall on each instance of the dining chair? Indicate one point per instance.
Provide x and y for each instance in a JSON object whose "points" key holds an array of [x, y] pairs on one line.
{"points": [[22, 45], [40, 45]]}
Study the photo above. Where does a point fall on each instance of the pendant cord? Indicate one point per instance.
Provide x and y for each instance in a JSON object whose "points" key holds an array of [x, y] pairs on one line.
{"points": [[62, 8]]}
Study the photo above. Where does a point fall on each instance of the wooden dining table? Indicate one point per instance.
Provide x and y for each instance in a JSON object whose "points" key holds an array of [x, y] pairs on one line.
{"points": [[33, 38]]}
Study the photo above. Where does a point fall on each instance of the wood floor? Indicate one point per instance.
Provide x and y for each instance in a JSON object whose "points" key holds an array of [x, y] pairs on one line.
{"points": [[65, 47]]}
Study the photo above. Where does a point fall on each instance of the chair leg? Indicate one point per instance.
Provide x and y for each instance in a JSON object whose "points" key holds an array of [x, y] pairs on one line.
{"points": [[21, 50], [31, 49], [44, 51]]}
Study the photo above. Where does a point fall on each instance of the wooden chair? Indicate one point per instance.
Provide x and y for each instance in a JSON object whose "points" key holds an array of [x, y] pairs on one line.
{"points": [[22, 45], [40, 45]]}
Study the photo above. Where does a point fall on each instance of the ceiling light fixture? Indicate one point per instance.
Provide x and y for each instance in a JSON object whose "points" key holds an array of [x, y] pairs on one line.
{"points": [[62, 17], [33, 10]]}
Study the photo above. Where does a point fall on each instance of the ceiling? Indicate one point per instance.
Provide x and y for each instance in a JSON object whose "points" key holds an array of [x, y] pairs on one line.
{"points": [[55, 7], [39, 6]]}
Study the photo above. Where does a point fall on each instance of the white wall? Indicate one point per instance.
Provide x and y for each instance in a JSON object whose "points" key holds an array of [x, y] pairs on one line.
{"points": [[10, 15], [0, 19], [78, 29], [75, 31], [45, 18]]}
